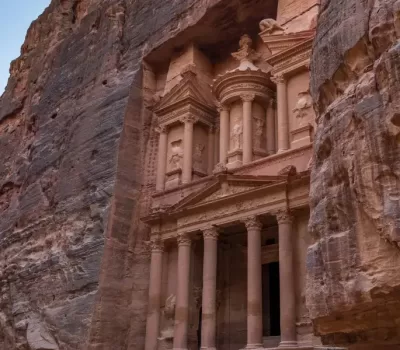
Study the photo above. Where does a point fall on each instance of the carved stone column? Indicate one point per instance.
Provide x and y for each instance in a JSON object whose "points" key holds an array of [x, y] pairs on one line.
{"points": [[223, 134], [254, 285], [188, 149], [286, 276], [210, 157], [162, 157], [209, 319], [270, 132], [182, 294], [247, 127], [283, 117], [153, 309]]}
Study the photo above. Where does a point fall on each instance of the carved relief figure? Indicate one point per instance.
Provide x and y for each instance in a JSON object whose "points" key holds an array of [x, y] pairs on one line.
{"points": [[303, 107], [177, 155], [258, 132], [167, 333], [198, 156], [237, 136], [270, 26], [245, 53]]}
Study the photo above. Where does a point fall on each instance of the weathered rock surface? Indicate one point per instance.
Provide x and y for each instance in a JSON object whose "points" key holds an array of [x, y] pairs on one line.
{"points": [[77, 168], [353, 270]]}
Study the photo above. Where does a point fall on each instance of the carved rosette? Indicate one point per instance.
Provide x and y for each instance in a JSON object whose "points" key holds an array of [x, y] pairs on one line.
{"points": [[252, 223], [156, 245], [210, 233], [284, 216], [184, 240], [247, 97]]}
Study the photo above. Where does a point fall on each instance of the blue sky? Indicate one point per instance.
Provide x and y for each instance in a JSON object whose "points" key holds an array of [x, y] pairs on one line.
{"points": [[15, 19]]}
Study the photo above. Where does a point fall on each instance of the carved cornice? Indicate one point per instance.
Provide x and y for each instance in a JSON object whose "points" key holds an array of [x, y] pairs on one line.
{"points": [[252, 223], [247, 97], [184, 240], [185, 110], [210, 233], [284, 216]]}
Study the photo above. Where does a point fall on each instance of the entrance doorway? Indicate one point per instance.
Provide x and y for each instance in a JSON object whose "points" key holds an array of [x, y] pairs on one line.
{"points": [[271, 300]]}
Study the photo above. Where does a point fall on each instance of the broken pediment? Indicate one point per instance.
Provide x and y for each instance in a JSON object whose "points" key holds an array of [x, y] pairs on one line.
{"points": [[228, 187], [188, 90], [283, 41]]}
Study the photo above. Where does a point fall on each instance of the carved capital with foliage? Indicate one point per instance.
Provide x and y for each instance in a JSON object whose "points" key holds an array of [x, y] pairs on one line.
{"points": [[189, 119], [278, 79], [284, 216], [253, 223], [248, 97], [156, 245], [162, 129], [210, 233], [184, 240]]}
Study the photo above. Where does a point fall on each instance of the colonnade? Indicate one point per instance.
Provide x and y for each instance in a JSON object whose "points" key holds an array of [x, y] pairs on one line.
{"points": [[254, 288]]}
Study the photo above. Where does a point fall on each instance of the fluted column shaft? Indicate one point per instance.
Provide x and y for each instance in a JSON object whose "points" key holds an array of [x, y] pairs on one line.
{"points": [[270, 128], [209, 319], [223, 134], [182, 294], [211, 138], [247, 128], [254, 284], [283, 116], [154, 305], [162, 158], [286, 277], [187, 149]]}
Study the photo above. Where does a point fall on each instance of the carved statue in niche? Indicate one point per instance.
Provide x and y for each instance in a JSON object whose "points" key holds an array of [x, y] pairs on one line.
{"points": [[177, 154], [258, 132], [167, 333], [303, 108], [271, 27], [246, 53], [236, 137], [198, 156]]}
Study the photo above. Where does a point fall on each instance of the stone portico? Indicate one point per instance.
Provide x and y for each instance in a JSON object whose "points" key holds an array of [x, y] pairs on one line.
{"points": [[229, 215]]}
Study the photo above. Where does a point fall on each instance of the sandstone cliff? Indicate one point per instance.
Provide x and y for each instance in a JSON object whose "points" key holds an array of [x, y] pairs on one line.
{"points": [[353, 269]]}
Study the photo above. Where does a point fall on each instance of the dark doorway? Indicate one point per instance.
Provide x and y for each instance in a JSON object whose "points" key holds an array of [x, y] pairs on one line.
{"points": [[199, 330], [271, 300]]}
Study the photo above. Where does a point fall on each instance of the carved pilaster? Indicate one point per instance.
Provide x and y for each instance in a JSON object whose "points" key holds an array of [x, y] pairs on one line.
{"points": [[253, 223], [284, 216]]}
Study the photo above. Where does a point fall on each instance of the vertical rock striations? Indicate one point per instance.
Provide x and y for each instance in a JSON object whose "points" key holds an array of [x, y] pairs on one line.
{"points": [[353, 270]]}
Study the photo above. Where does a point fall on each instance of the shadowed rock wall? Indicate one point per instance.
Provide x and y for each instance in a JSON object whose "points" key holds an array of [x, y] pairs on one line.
{"points": [[353, 287]]}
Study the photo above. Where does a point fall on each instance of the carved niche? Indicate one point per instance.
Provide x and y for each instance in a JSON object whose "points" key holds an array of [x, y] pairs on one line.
{"points": [[175, 160]]}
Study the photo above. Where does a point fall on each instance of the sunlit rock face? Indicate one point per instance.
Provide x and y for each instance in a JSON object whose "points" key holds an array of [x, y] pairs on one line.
{"points": [[353, 277]]}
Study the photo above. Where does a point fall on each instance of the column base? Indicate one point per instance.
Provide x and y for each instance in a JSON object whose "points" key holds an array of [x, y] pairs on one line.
{"points": [[254, 347], [282, 150], [288, 344], [207, 348]]}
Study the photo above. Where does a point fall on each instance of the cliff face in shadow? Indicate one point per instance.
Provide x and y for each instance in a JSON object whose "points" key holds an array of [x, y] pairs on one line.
{"points": [[353, 277]]}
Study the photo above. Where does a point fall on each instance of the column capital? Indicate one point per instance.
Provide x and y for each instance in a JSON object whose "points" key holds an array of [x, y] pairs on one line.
{"points": [[278, 79], [161, 129], [184, 240], [210, 233], [222, 108], [156, 245], [189, 119], [252, 223], [247, 97], [284, 216]]}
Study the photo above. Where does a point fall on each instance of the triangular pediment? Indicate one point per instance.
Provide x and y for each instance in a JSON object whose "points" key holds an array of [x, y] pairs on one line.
{"points": [[189, 88], [283, 41], [226, 188]]}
